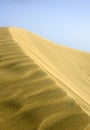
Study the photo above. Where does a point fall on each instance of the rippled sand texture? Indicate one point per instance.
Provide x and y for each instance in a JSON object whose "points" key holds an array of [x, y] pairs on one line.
{"points": [[42, 85]]}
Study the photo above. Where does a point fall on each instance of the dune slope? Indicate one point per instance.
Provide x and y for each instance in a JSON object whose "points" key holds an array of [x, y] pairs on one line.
{"points": [[43, 86]]}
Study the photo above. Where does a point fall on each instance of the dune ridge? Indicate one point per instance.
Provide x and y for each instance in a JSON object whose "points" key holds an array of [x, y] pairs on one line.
{"points": [[40, 49], [35, 86]]}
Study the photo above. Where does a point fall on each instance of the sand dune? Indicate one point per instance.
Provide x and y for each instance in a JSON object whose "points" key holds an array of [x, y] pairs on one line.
{"points": [[43, 86]]}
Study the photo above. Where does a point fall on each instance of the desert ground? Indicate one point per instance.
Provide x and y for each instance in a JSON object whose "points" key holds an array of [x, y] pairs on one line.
{"points": [[43, 85]]}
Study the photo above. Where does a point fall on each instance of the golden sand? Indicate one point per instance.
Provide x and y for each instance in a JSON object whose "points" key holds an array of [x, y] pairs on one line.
{"points": [[43, 86]]}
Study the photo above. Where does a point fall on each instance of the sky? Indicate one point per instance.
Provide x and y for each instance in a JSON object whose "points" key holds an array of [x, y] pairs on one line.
{"points": [[66, 22]]}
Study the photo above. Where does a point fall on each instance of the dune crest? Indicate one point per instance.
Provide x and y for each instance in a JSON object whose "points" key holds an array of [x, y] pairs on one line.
{"points": [[43, 86]]}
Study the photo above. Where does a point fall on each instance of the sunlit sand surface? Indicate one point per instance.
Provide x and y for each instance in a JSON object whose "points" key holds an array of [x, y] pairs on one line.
{"points": [[43, 86]]}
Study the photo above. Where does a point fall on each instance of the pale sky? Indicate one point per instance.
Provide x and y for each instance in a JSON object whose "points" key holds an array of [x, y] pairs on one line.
{"points": [[65, 22]]}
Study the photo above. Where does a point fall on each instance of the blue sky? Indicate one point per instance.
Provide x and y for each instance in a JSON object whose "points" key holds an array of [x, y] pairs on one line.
{"points": [[63, 21]]}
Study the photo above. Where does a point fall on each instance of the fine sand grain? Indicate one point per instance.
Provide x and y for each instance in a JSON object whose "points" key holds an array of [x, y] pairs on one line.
{"points": [[43, 86]]}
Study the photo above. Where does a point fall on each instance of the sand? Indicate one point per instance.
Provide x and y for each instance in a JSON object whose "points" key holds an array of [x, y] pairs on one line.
{"points": [[43, 86]]}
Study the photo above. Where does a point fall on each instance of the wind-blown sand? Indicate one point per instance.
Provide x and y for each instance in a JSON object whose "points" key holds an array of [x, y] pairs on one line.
{"points": [[43, 86]]}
